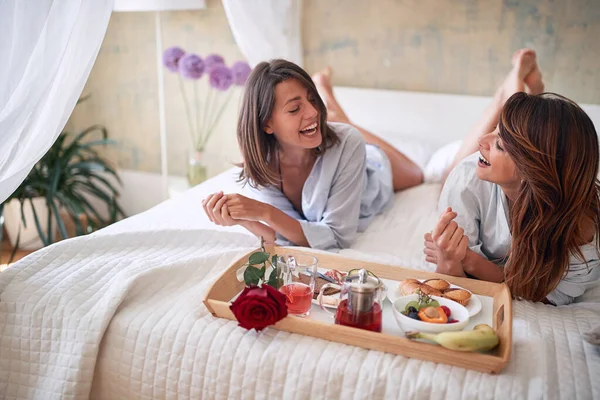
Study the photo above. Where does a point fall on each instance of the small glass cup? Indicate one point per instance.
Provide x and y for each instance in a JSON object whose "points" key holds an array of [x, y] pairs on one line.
{"points": [[298, 274]]}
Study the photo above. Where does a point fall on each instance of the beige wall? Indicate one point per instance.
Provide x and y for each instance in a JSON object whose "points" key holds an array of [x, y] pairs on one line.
{"points": [[461, 46]]}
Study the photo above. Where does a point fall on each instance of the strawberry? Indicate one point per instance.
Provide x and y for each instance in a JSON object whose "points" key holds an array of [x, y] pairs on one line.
{"points": [[446, 310]]}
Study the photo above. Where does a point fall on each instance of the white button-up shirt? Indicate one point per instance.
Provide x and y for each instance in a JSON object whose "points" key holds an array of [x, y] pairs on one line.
{"points": [[347, 187]]}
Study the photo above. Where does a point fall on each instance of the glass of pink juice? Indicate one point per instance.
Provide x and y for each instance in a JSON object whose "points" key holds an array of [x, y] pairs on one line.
{"points": [[299, 291]]}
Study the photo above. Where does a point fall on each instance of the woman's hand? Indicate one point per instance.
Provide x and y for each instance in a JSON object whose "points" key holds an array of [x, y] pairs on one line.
{"points": [[242, 207], [215, 207], [447, 245], [430, 249]]}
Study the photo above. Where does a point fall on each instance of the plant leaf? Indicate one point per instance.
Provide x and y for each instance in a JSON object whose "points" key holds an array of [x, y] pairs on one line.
{"points": [[113, 207], [273, 279], [258, 258], [76, 147], [45, 239], [87, 205], [95, 192], [74, 211], [22, 201], [252, 275], [99, 142], [76, 141], [16, 247], [59, 221], [109, 186]]}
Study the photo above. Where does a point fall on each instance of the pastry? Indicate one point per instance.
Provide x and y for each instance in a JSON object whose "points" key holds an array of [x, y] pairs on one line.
{"points": [[438, 284], [428, 290], [461, 296], [409, 286]]}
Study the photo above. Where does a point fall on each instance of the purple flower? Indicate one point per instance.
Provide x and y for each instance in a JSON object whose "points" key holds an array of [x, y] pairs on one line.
{"points": [[191, 66], [212, 60], [240, 70], [171, 57], [221, 77]]}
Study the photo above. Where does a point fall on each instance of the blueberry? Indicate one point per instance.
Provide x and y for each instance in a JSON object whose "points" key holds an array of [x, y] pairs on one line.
{"points": [[412, 309], [414, 315]]}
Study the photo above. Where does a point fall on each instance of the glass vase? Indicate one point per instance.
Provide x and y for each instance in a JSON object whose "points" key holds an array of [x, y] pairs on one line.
{"points": [[196, 168]]}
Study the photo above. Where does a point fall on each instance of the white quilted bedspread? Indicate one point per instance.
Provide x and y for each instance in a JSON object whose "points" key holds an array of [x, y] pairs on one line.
{"points": [[119, 315]]}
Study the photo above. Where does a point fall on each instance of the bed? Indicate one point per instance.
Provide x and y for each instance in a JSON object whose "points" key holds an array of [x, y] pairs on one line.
{"points": [[119, 314]]}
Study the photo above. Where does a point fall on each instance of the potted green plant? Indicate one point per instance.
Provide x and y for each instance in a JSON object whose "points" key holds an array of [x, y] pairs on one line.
{"points": [[64, 190]]}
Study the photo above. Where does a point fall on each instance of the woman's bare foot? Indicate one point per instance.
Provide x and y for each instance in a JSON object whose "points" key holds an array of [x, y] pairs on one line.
{"points": [[322, 80], [523, 64], [533, 79]]}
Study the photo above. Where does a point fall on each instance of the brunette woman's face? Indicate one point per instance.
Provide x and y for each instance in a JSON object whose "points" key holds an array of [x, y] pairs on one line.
{"points": [[495, 165], [295, 119]]}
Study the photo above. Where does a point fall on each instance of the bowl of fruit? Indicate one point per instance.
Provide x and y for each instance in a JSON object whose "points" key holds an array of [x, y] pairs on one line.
{"points": [[420, 312]]}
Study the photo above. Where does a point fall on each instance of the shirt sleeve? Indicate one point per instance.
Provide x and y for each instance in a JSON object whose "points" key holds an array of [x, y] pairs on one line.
{"points": [[460, 193], [580, 277], [339, 223]]}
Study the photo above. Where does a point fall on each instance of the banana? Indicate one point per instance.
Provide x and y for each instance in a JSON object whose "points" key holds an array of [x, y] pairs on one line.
{"points": [[481, 338]]}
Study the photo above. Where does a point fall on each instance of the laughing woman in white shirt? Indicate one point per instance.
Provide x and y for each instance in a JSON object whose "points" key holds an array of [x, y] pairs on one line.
{"points": [[315, 183], [525, 208]]}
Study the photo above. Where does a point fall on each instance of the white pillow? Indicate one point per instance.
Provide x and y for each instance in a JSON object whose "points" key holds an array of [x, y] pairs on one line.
{"points": [[440, 161], [418, 150], [429, 156]]}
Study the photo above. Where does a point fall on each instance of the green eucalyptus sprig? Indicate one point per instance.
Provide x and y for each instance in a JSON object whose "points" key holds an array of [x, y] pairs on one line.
{"points": [[262, 268]]}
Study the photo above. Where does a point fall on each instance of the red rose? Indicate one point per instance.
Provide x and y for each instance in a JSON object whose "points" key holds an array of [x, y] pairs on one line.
{"points": [[258, 307]]}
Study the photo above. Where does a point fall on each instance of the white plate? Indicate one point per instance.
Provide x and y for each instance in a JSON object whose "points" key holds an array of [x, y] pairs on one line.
{"points": [[474, 306]]}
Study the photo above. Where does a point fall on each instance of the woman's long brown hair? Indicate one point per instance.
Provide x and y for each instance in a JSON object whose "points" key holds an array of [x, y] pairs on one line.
{"points": [[555, 149], [257, 147]]}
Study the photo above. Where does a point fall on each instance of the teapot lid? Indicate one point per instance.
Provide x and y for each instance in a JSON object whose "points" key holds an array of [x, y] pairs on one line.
{"points": [[363, 282]]}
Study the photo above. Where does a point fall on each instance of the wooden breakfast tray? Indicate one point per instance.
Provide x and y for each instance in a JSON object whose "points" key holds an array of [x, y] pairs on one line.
{"points": [[218, 299]]}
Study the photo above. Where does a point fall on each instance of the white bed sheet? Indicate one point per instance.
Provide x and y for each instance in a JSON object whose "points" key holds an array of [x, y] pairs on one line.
{"points": [[119, 315]]}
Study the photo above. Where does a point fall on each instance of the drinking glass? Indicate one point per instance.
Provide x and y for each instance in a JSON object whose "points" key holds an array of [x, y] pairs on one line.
{"points": [[298, 274]]}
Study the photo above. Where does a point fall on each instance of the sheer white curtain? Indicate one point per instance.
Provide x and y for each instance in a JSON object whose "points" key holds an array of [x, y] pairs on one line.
{"points": [[265, 29], [48, 48]]}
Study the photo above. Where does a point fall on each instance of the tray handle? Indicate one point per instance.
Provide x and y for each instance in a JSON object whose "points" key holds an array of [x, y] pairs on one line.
{"points": [[499, 317]]}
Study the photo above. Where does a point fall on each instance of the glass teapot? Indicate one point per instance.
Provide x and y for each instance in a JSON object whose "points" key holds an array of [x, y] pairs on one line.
{"points": [[361, 295]]}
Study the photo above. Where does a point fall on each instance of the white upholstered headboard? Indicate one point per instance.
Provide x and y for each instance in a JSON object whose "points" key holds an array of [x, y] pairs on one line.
{"points": [[436, 118]]}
